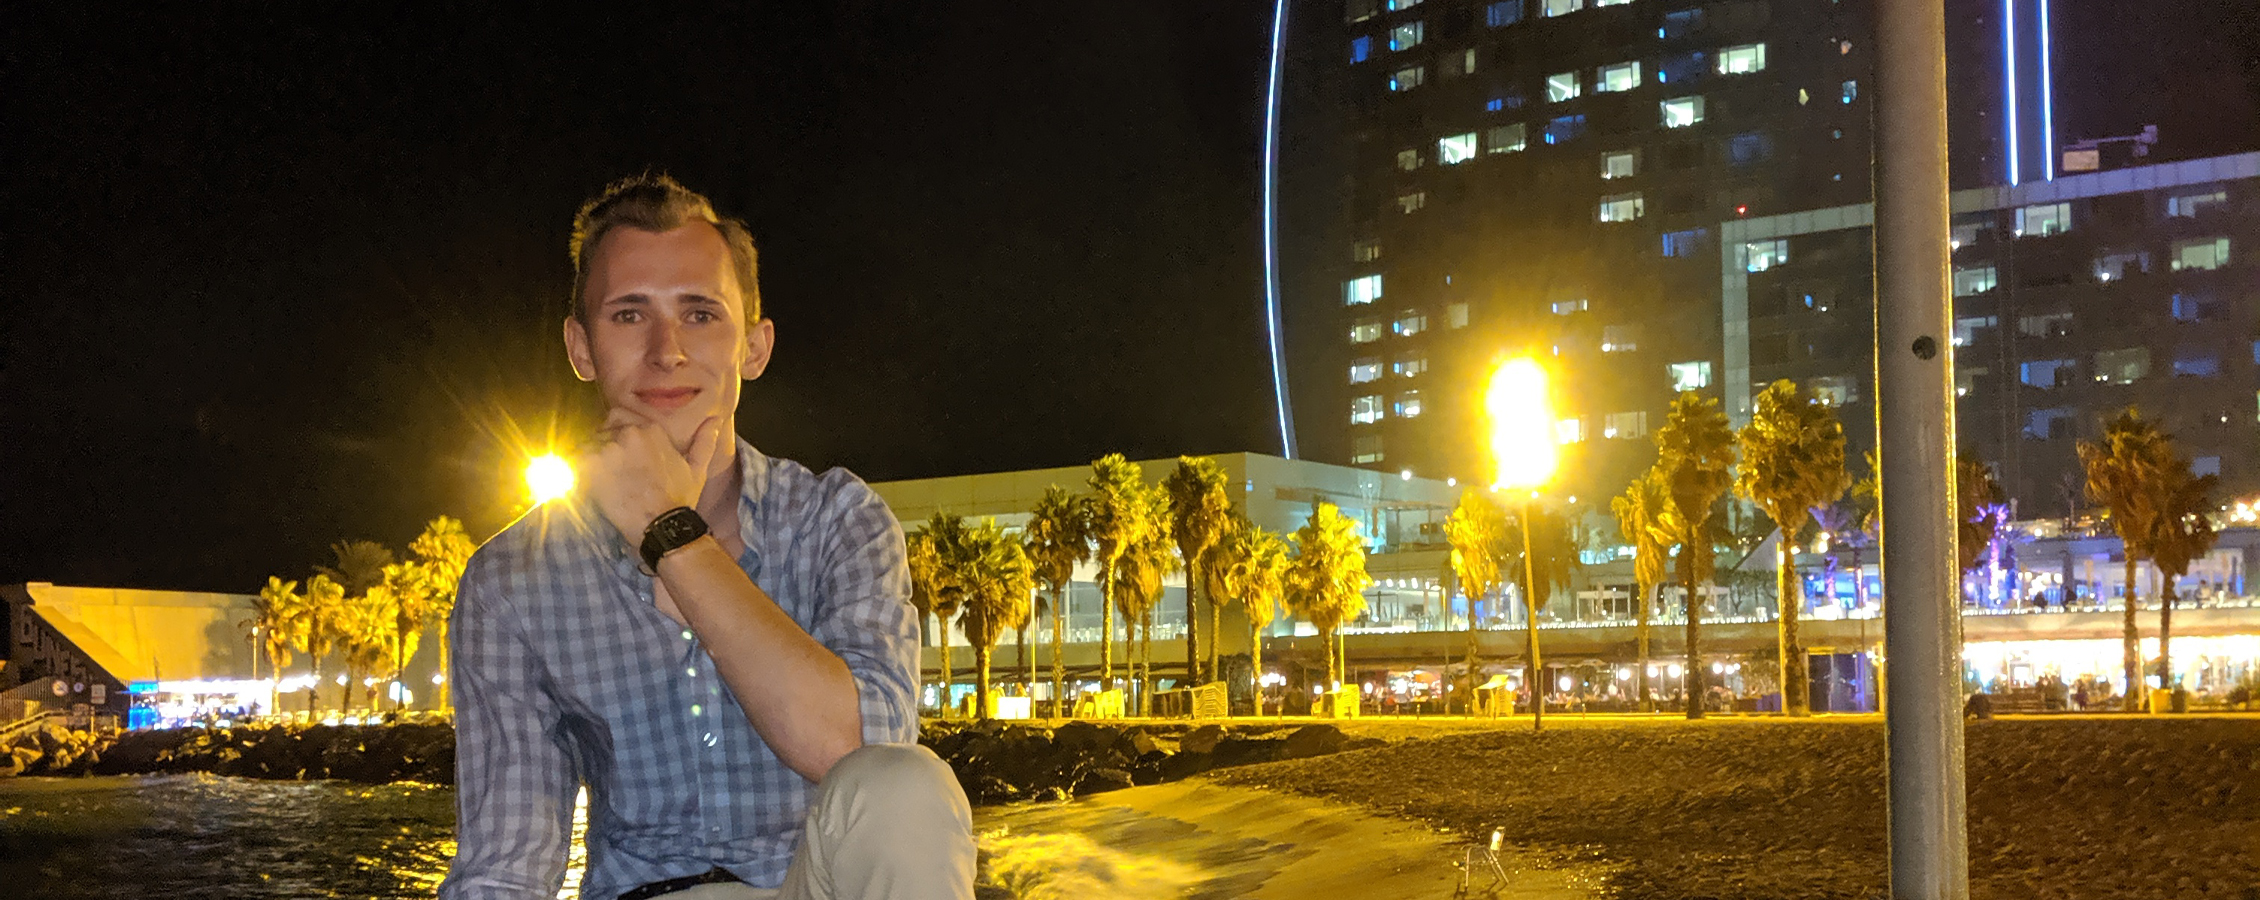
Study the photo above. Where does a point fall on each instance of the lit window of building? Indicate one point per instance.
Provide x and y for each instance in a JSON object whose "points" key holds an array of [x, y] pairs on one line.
{"points": [[1742, 60], [1458, 148], [1406, 79], [2114, 266], [1834, 390], [1758, 256], [1365, 369], [1625, 425], [2197, 364], [1569, 431], [1455, 314], [2045, 325], [1361, 49], [1365, 448], [1680, 112], [1566, 307], [1620, 338], [2125, 366], [1408, 405], [2045, 373], [1361, 290], [1365, 410], [1410, 322], [1564, 129], [1691, 376], [1409, 365], [1851, 92], [1966, 330], [1365, 331], [1408, 160], [1506, 139], [2044, 220], [1685, 243], [2192, 205], [1503, 14], [1620, 164], [1620, 77], [1365, 251], [1554, 8], [1561, 86], [2201, 254], [1975, 280], [1412, 203], [1622, 207], [1406, 36]]}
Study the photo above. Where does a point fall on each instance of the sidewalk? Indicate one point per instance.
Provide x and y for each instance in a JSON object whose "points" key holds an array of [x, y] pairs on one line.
{"points": [[1202, 840]]}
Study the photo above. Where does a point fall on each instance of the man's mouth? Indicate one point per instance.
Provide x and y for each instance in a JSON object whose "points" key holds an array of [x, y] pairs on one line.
{"points": [[667, 398]]}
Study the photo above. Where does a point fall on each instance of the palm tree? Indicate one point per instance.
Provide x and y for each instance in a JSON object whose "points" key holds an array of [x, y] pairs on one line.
{"points": [[2124, 474], [1059, 538], [1263, 584], [2182, 535], [278, 617], [1792, 462], [442, 552], [935, 587], [1121, 517], [1546, 559], [1981, 508], [1326, 580], [1695, 457], [1138, 588], [1477, 532], [325, 612], [998, 580], [1637, 512], [360, 565], [1197, 507]]}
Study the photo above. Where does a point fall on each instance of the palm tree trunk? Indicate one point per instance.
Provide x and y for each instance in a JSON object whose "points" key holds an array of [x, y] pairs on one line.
{"points": [[949, 703], [1536, 675], [981, 682], [1146, 666], [1640, 675], [1796, 697], [1215, 638], [1192, 629], [1694, 681], [1333, 663], [2165, 641], [1468, 698], [2131, 641], [1106, 627], [1027, 663], [1059, 643], [1255, 656], [1859, 580]]}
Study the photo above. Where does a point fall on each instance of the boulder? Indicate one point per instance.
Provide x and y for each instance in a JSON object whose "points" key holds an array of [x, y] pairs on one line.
{"points": [[1185, 765], [1313, 740], [1097, 781], [1084, 736], [1200, 740], [1241, 751]]}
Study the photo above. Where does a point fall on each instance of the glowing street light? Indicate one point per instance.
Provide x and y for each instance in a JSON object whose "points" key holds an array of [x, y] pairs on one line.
{"points": [[1522, 452], [1522, 425], [549, 477]]}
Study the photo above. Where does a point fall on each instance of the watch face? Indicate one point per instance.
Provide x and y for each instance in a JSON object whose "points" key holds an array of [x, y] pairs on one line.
{"points": [[680, 527]]}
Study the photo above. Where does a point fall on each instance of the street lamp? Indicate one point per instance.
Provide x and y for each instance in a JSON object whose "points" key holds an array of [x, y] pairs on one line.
{"points": [[1522, 450], [548, 477]]}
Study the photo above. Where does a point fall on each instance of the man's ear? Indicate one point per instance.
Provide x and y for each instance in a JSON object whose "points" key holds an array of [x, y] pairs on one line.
{"points": [[577, 349], [759, 341]]}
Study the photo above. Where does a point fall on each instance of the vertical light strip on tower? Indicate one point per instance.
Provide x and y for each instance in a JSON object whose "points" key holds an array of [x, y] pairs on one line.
{"points": [[2047, 96], [2009, 78], [1271, 231]]}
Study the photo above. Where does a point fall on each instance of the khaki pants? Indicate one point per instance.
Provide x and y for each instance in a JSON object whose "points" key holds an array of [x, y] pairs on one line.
{"points": [[889, 823]]}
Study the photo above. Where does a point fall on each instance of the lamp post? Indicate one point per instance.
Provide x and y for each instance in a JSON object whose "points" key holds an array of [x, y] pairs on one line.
{"points": [[548, 477], [1522, 452]]}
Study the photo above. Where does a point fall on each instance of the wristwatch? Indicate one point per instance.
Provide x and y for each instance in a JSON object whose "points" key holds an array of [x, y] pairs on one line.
{"points": [[671, 530]]}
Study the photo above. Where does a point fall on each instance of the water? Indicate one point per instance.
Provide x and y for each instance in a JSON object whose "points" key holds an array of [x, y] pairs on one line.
{"points": [[190, 837]]}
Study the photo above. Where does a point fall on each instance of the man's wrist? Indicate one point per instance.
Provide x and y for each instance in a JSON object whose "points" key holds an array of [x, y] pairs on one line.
{"points": [[669, 531]]}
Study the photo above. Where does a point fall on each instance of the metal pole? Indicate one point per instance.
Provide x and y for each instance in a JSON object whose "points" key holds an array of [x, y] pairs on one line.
{"points": [[1915, 436], [1536, 676]]}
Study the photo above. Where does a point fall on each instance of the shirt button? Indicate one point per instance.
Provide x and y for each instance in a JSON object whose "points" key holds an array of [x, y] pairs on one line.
{"points": [[686, 634], [693, 671], [710, 741], [697, 710]]}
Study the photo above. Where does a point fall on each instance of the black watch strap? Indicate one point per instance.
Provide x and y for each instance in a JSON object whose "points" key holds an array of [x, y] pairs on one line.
{"points": [[671, 530]]}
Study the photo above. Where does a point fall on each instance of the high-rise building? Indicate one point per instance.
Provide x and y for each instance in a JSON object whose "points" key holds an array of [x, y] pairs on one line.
{"points": [[1664, 195]]}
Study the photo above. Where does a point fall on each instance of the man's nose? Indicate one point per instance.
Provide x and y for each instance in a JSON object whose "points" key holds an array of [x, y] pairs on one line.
{"points": [[666, 350]]}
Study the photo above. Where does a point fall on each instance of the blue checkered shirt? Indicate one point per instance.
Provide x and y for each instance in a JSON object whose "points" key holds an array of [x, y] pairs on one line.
{"points": [[566, 673]]}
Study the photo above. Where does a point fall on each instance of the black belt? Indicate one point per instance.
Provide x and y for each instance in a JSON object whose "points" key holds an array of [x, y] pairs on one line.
{"points": [[671, 885]]}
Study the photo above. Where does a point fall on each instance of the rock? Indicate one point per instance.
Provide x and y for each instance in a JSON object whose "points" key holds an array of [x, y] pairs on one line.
{"points": [[1313, 740], [1241, 751], [1185, 765], [1097, 781], [1140, 741], [1084, 736], [1200, 740]]}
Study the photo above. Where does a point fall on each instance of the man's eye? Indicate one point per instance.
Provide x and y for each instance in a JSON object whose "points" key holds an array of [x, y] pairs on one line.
{"points": [[626, 316], [702, 315]]}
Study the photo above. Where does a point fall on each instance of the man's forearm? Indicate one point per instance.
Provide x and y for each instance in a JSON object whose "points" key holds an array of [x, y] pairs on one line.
{"points": [[799, 695]]}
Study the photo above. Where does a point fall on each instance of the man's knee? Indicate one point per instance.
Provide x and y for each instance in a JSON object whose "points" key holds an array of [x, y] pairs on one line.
{"points": [[894, 773]]}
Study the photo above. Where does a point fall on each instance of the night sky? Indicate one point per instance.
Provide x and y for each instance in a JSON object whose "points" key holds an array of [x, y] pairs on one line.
{"points": [[278, 279], [275, 279]]}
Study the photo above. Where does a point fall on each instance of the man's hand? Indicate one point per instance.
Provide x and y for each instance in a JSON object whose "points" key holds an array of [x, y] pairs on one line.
{"points": [[638, 473]]}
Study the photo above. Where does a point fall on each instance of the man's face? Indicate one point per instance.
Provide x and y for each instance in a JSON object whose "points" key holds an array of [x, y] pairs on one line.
{"points": [[666, 334]]}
